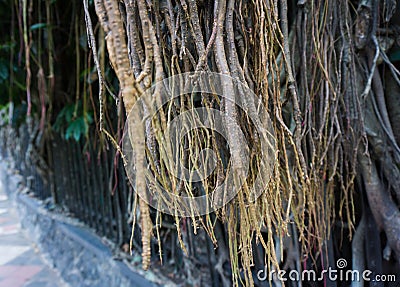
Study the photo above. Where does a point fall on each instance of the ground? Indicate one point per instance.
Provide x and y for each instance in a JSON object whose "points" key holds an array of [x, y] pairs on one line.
{"points": [[20, 263]]}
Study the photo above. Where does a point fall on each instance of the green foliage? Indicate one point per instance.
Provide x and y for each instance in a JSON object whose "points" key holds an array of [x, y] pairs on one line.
{"points": [[73, 122], [4, 115], [12, 73], [78, 127], [38, 26]]}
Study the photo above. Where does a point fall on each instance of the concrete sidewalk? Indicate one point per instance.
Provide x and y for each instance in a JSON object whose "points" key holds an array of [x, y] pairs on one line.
{"points": [[20, 263]]}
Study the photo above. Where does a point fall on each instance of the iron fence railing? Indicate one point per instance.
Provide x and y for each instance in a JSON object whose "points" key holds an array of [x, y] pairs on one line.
{"points": [[84, 179], [88, 181], [91, 183], [15, 143]]}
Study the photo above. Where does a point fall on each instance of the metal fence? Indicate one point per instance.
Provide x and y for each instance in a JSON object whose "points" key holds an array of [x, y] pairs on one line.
{"points": [[91, 183], [85, 180], [88, 182], [15, 144]]}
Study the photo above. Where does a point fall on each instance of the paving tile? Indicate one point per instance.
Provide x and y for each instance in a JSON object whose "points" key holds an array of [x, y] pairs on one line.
{"points": [[12, 282], [20, 265], [13, 276], [9, 252], [14, 239], [4, 220], [30, 257], [37, 284], [7, 270], [9, 229]]}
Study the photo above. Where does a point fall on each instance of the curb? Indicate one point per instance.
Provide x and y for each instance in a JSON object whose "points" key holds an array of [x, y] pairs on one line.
{"points": [[80, 256]]}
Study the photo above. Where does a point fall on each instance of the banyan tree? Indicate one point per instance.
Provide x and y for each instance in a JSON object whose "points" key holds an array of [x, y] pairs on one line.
{"points": [[300, 118]]}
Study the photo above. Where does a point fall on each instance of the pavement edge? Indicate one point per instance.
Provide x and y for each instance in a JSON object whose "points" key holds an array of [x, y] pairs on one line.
{"points": [[79, 255]]}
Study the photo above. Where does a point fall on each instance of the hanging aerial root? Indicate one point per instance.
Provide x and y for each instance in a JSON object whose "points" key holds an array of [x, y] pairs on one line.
{"points": [[111, 21]]}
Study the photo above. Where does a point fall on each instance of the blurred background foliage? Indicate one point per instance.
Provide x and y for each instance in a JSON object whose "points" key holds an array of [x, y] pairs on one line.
{"points": [[46, 70], [48, 79]]}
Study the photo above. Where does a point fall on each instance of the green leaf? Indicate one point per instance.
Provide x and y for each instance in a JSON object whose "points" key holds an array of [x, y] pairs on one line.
{"points": [[38, 26], [70, 130], [83, 128], [74, 121], [77, 135], [69, 113], [76, 129], [89, 118]]}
